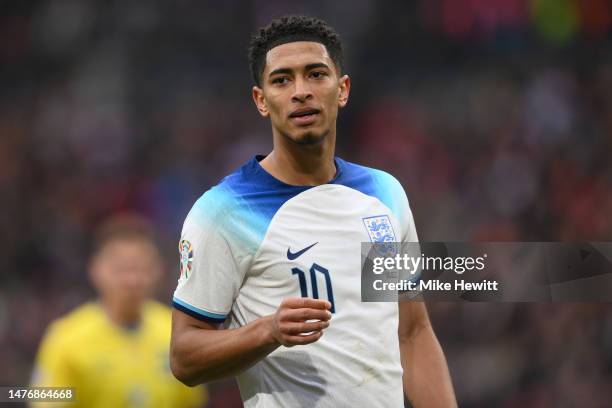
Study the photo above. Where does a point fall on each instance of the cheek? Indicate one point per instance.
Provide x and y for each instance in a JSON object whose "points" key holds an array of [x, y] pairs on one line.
{"points": [[107, 281], [332, 104], [331, 97], [275, 105]]}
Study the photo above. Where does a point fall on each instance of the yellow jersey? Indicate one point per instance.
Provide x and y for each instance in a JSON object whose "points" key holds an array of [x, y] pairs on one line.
{"points": [[111, 366]]}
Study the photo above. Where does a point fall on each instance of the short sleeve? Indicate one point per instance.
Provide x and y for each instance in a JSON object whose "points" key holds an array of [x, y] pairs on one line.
{"points": [[391, 193], [409, 237], [53, 366], [409, 233], [52, 363], [210, 278]]}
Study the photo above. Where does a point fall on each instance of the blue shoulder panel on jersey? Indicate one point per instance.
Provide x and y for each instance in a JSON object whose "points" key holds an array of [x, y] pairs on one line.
{"points": [[244, 202], [372, 182]]}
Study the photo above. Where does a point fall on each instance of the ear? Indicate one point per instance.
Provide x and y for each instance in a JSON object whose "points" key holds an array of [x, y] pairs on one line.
{"points": [[344, 84], [260, 102]]}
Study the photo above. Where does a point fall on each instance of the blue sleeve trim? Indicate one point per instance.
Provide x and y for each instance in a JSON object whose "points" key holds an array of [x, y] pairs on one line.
{"points": [[198, 313]]}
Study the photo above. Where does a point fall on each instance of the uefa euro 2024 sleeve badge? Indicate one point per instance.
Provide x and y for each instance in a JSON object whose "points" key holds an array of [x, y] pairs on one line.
{"points": [[186, 251]]}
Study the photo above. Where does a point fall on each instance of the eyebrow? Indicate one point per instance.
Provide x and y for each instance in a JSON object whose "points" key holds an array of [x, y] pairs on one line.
{"points": [[307, 67]]}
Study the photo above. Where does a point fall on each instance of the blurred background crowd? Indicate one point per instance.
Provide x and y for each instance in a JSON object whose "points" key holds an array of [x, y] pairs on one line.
{"points": [[496, 116]]}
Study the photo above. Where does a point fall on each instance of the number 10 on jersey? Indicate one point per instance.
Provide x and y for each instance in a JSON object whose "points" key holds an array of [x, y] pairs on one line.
{"points": [[314, 269]]}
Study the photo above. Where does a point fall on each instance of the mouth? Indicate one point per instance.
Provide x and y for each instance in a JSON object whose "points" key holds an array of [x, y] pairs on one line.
{"points": [[304, 116]]}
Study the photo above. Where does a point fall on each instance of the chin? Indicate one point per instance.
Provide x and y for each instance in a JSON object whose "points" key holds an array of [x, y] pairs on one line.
{"points": [[133, 299], [309, 137]]}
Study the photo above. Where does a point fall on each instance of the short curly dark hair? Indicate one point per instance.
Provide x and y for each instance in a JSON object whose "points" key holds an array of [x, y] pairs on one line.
{"points": [[289, 29]]}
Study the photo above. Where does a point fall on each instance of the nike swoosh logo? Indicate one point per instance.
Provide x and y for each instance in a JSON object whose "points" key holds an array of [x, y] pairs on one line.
{"points": [[294, 255]]}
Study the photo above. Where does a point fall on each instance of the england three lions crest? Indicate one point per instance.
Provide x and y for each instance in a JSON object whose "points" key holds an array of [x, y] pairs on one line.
{"points": [[381, 234]]}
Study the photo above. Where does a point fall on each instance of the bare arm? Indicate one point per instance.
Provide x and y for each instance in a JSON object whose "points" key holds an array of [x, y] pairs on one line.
{"points": [[427, 381], [201, 352]]}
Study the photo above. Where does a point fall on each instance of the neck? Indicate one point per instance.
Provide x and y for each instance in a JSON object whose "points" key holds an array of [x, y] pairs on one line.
{"points": [[120, 313], [302, 165]]}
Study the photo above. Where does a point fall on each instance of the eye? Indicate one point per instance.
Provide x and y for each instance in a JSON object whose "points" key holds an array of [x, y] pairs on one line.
{"points": [[280, 80], [318, 74]]}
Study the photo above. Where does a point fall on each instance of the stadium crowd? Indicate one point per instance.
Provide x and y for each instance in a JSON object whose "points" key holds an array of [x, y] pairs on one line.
{"points": [[496, 117]]}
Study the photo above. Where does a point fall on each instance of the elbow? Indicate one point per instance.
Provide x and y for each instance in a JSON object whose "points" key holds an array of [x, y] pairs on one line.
{"points": [[181, 371]]}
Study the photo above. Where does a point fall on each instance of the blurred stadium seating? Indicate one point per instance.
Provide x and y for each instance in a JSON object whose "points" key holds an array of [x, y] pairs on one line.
{"points": [[496, 115]]}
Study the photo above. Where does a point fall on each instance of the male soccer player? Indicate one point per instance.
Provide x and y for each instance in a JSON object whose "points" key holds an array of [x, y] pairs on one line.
{"points": [[114, 352], [271, 255]]}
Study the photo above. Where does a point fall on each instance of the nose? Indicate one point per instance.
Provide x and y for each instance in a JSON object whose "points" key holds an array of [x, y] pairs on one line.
{"points": [[134, 277], [301, 91]]}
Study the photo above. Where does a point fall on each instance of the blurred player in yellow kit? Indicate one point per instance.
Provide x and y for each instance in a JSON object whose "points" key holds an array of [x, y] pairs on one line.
{"points": [[114, 351]]}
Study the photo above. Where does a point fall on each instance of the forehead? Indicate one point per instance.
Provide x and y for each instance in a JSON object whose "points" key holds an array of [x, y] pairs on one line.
{"points": [[296, 54], [123, 247]]}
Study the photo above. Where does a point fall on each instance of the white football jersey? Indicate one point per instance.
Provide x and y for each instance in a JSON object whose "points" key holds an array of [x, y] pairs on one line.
{"points": [[252, 241]]}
